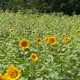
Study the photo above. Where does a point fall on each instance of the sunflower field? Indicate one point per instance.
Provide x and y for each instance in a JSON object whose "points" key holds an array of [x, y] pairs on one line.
{"points": [[39, 46]]}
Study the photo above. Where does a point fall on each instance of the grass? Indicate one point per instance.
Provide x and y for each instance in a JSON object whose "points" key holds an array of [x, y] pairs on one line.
{"points": [[63, 65]]}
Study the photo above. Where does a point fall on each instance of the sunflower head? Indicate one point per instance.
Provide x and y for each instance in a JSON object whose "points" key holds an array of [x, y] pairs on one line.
{"points": [[13, 73], [33, 32], [53, 53], [52, 40], [25, 31], [11, 30], [63, 35], [39, 40], [24, 43], [1, 77], [38, 15], [11, 35], [13, 26], [34, 57], [17, 31], [78, 31], [55, 36], [67, 39]]}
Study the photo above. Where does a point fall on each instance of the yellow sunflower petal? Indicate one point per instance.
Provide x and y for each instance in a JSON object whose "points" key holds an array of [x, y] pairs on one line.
{"points": [[67, 39], [52, 40], [24, 43], [34, 57], [39, 40], [13, 73]]}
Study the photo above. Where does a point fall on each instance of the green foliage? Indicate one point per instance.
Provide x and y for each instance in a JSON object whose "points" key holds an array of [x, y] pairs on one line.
{"points": [[15, 5], [64, 65]]}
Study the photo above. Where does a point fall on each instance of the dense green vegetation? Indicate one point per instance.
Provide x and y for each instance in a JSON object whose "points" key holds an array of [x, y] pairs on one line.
{"points": [[44, 6], [58, 59]]}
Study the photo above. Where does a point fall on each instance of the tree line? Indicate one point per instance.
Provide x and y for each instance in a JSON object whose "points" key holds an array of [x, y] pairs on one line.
{"points": [[43, 6]]}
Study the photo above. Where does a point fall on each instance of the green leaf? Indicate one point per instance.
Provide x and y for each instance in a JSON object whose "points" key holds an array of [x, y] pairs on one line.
{"points": [[39, 78], [19, 60]]}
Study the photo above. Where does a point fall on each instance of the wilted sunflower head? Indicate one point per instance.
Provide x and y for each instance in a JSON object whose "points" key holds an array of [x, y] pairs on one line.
{"points": [[67, 39], [34, 57], [52, 40], [13, 73], [39, 40], [24, 43]]}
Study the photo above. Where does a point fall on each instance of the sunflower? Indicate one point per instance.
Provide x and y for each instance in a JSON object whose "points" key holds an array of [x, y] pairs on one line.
{"points": [[33, 32], [17, 31], [78, 31], [63, 35], [13, 73], [25, 31], [11, 35], [39, 40], [24, 43], [52, 40], [67, 39], [34, 57], [2, 77], [11, 30], [46, 39], [53, 53], [13, 26], [37, 16], [55, 36]]}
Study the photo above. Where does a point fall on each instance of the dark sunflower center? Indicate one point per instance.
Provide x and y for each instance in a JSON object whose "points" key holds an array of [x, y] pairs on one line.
{"points": [[39, 40], [67, 39], [14, 74], [33, 56], [52, 40], [24, 44]]}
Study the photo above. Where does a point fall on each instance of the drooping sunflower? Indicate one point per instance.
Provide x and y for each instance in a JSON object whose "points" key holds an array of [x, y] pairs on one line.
{"points": [[53, 53], [39, 40], [34, 57], [24, 43], [67, 39], [13, 73], [52, 40]]}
